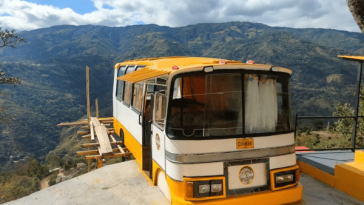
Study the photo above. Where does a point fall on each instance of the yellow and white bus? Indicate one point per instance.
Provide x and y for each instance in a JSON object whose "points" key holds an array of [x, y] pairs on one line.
{"points": [[209, 131]]}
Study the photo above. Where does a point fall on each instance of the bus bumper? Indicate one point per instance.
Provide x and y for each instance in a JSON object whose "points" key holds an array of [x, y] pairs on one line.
{"points": [[284, 196]]}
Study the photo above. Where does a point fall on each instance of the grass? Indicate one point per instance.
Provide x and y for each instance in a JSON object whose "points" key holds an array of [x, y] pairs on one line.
{"points": [[323, 140]]}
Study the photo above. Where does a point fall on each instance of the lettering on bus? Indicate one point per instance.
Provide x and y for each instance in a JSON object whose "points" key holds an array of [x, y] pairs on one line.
{"points": [[244, 143]]}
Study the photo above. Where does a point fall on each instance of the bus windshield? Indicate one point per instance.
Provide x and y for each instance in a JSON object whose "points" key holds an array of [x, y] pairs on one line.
{"points": [[214, 105]]}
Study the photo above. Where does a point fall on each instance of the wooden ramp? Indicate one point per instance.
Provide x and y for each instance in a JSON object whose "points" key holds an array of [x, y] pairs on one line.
{"points": [[100, 140]]}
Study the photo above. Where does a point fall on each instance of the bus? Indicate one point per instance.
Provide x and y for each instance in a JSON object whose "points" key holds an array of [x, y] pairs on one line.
{"points": [[207, 130]]}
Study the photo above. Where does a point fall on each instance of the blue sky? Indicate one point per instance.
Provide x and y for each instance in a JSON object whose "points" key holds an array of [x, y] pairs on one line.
{"points": [[79, 6], [34, 14]]}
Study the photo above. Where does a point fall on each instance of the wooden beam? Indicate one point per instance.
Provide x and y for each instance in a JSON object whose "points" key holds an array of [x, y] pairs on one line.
{"points": [[107, 156], [83, 132], [72, 123], [111, 132], [88, 152], [102, 119], [118, 146], [88, 94], [86, 136], [97, 108], [97, 144], [99, 163]]}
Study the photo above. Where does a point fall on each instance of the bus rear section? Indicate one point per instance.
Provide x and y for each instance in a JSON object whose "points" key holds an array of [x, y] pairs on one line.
{"points": [[218, 134]]}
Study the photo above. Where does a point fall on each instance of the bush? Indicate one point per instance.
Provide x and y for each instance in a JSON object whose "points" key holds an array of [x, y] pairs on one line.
{"points": [[52, 180]]}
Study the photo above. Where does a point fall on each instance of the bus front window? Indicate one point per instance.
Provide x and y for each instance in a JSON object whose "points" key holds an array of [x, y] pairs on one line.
{"points": [[213, 105]]}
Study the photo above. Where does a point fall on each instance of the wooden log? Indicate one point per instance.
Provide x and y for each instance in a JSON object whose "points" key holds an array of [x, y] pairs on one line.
{"points": [[107, 121], [89, 157], [83, 132], [72, 123], [103, 119], [88, 152], [118, 146], [97, 144], [88, 95], [86, 136], [99, 163], [97, 108]]}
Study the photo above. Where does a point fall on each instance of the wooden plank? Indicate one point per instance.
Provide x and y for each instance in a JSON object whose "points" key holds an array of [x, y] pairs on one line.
{"points": [[86, 136], [119, 147], [102, 137], [92, 131], [72, 123]]}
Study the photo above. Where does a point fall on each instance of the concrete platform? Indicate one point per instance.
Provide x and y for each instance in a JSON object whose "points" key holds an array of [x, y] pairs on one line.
{"points": [[121, 184], [343, 170], [326, 160]]}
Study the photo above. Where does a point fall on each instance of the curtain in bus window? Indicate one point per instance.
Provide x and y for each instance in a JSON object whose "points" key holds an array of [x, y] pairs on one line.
{"points": [[160, 109], [261, 109], [127, 93], [137, 97], [177, 89]]}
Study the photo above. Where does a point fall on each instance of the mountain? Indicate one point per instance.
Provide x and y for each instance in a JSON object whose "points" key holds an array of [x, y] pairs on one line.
{"points": [[51, 65]]}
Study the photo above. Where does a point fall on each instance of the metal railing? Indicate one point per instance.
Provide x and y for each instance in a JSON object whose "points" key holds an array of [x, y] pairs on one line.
{"points": [[355, 117]]}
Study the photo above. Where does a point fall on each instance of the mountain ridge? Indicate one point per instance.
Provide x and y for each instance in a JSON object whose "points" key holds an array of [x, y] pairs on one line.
{"points": [[52, 67]]}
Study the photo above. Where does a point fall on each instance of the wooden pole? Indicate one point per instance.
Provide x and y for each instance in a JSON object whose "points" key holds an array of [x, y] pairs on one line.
{"points": [[97, 108], [88, 108]]}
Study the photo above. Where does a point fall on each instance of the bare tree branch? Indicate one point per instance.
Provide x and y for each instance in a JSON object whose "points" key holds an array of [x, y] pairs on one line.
{"points": [[356, 8], [9, 38]]}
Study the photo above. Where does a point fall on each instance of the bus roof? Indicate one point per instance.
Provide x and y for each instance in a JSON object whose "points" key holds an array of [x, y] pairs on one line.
{"points": [[156, 67]]}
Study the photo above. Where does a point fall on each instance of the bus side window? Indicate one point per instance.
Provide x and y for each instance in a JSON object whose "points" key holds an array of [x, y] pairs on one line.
{"points": [[128, 87], [120, 84], [137, 97], [159, 109]]}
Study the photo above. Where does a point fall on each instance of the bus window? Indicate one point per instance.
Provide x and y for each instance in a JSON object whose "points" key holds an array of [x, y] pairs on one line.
{"points": [[159, 109], [212, 105], [128, 86], [120, 83], [267, 107], [137, 97]]}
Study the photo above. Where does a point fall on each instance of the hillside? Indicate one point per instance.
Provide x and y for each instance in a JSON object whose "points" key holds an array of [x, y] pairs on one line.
{"points": [[51, 65]]}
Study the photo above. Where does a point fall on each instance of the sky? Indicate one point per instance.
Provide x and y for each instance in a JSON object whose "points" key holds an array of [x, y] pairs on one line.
{"points": [[33, 14]]}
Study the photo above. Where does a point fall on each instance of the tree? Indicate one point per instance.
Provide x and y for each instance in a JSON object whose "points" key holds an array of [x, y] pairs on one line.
{"points": [[9, 38], [356, 8], [344, 126]]}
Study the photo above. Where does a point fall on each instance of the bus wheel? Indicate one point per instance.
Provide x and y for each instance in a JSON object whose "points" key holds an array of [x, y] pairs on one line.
{"points": [[163, 186]]}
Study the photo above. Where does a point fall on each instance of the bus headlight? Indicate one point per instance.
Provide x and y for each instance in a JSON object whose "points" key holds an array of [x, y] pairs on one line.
{"points": [[284, 178], [200, 189], [216, 187], [204, 188]]}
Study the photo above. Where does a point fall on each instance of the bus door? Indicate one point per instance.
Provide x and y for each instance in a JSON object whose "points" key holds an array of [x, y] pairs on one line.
{"points": [[154, 114], [147, 130]]}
